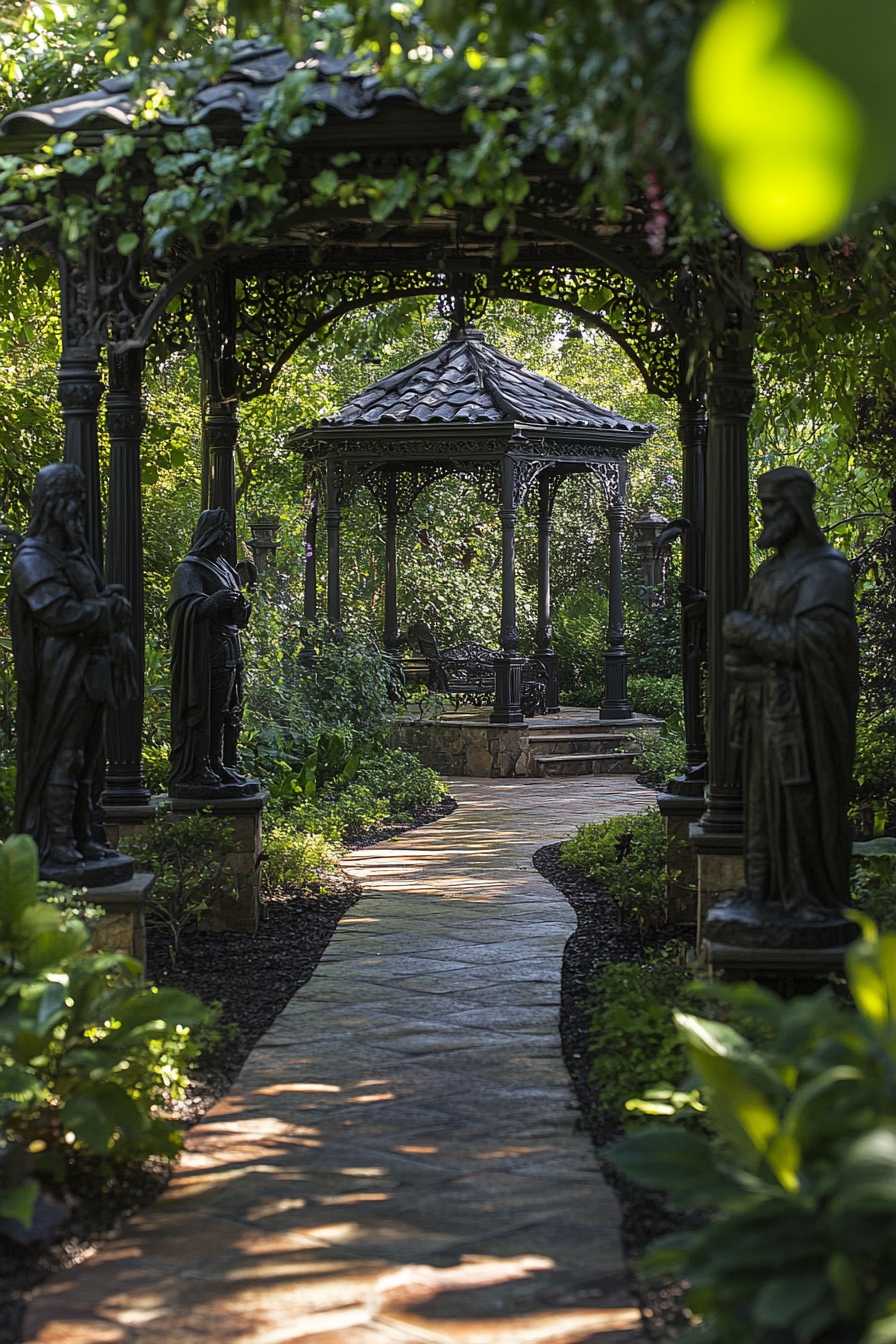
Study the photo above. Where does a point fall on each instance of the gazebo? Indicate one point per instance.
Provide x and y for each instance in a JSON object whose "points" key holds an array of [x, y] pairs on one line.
{"points": [[467, 409]]}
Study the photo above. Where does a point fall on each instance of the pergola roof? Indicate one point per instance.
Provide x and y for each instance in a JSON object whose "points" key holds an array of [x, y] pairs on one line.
{"points": [[465, 381], [237, 97]]}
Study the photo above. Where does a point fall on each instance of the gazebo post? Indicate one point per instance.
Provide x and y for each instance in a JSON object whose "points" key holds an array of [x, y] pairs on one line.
{"points": [[391, 633], [616, 704], [125, 785], [334, 517], [544, 631], [80, 389], [508, 663], [309, 593]]}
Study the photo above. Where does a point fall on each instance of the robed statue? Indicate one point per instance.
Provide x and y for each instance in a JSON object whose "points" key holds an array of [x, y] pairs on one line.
{"points": [[793, 655], [206, 612], [73, 660]]}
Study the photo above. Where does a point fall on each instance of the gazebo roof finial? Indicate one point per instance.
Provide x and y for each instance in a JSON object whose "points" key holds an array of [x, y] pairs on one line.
{"points": [[463, 307]]}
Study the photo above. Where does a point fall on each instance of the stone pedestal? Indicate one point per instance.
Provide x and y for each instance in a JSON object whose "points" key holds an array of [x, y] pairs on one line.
{"points": [[123, 926], [680, 814], [122, 822], [720, 868], [239, 912]]}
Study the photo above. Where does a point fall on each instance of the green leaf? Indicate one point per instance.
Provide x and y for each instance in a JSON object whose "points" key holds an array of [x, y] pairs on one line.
{"points": [[682, 1164], [18, 1202], [786, 1298], [127, 243], [97, 1111], [18, 877], [867, 1178]]}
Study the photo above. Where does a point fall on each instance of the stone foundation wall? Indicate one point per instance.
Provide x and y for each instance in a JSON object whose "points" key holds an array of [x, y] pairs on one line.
{"points": [[475, 748]]}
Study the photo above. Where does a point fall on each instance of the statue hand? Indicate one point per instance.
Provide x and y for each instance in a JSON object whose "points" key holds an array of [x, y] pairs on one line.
{"points": [[222, 601], [119, 608], [736, 627]]}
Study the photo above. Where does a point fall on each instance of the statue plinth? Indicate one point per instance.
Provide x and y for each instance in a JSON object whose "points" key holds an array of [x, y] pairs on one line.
{"points": [[215, 793], [104, 872], [240, 910], [741, 922]]}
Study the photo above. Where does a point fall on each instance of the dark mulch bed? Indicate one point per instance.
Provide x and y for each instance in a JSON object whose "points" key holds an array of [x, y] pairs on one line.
{"points": [[252, 979], [600, 938]]}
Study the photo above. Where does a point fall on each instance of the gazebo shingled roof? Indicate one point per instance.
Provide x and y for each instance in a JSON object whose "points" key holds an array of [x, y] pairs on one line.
{"points": [[466, 408], [466, 381]]}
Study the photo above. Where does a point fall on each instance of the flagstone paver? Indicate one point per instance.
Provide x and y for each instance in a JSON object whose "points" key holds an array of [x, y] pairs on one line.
{"points": [[397, 1160]]}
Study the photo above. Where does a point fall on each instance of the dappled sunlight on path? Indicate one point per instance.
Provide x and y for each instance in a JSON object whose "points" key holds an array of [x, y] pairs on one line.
{"points": [[397, 1160]]}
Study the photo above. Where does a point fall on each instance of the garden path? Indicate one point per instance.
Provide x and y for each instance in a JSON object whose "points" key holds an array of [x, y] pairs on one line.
{"points": [[397, 1161]]}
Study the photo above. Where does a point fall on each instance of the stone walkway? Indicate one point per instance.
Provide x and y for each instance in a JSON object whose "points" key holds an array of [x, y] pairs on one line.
{"points": [[396, 1161]]}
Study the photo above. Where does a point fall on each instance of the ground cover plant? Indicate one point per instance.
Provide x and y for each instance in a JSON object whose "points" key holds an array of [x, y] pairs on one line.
{"points": [[800, 1164], [626, 856], [90, 1055]]}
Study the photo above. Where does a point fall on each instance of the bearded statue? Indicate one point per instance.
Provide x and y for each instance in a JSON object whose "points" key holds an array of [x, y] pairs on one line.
{"points": [[793, 654], [206, 612], [73, 659]]}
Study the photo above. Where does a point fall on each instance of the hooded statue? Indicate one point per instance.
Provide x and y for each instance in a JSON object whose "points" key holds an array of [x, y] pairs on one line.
{"points": [[73, 660], [205, 614], [793, 653]]}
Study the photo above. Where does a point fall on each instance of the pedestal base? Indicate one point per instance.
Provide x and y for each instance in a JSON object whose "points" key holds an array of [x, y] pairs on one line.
{"points": [[201, 793], [90, 872], [680, 814], [123, 926], [740, 922], [239, 912], [720, 869]]}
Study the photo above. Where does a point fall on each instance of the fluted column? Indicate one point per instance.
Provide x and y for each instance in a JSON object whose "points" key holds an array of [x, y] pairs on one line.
{"points": [[692, 430], [544, 630], [391, 632], [334, 518], [125, 785], [731, 391], [616, 704], [80, 389], [216, 310], [508, 663]]}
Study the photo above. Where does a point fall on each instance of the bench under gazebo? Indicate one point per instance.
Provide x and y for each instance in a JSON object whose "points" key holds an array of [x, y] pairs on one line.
{"points": [[466, 409]]}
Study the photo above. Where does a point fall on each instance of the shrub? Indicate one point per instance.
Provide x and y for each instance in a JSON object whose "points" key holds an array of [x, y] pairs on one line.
{"points": [[802, 1168], [403, 780], [874, 880], [188, 854], [300, 844], [660, 697], [663, 754], [627, 856], [874, 773], [88, 1053], [633, 1041]]}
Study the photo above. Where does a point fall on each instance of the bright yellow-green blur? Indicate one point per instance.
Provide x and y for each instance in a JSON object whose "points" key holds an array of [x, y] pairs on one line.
{"points": [[783, 135]]}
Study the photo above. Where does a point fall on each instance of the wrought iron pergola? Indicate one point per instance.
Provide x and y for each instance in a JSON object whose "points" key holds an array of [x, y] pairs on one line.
{"points": [[329, 259], [467, 409]]}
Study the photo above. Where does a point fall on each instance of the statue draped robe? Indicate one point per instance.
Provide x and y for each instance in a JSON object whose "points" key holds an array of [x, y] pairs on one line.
{"points": [[61, 634], [793, 714], [205, 665]]}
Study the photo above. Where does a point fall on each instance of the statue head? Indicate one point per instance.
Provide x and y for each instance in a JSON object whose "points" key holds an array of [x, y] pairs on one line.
{"points": [[212, 534], [57, 505], [786, 496]]}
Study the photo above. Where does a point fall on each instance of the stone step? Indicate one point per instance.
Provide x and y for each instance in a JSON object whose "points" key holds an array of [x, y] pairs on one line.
{"points": [[581, 763], [566, 743]]}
